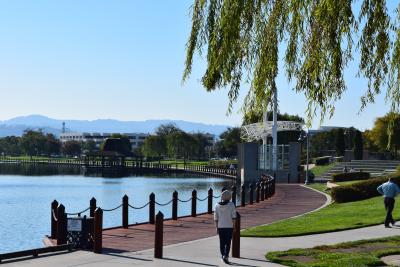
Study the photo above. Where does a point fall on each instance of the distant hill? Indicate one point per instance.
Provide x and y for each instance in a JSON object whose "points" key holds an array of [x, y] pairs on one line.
{"points": [[17, 125]]}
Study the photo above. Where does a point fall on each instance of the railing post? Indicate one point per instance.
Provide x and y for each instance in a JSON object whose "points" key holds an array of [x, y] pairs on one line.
{"points": [[273, 187], [53, 214], [210, 201], [92, 206], [288, 178], [243, 194], [152, 208], [266, 190], [236, 237], [61, 225], [98, 231], [262, 193], [251, 192], [257, 192], [194, 202], [125, 210], [158, 240], [175, 205], [234, 195]]}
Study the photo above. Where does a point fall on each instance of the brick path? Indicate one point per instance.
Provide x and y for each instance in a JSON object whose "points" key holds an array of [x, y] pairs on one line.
{"points": [[289, 200]]}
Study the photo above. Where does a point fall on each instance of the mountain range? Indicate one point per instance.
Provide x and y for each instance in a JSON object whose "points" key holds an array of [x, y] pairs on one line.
{"points": [[16, 126]]}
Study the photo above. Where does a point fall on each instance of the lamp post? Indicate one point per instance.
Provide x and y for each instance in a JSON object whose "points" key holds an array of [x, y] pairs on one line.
{"points": [[301, 138]]}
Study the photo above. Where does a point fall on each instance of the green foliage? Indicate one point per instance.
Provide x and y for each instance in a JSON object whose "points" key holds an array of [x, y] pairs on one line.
{"points": [[11, 145], [358, 146], [339, 142], [154, 146], [33, 142], [322, 160], [241, 40], [360, 190], [350, 176], [358, 253], [227, 146], [379, 133], [334, 217], [181, 144], [89, 146], [257, 116], [72, 148]]}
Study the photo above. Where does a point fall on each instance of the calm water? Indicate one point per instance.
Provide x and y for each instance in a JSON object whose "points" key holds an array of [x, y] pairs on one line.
{"points": [[25, 201]]}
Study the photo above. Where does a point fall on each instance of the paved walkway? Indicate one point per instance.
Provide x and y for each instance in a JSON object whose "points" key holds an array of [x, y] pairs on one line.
{"points": [[127, 247], [289, 201]]}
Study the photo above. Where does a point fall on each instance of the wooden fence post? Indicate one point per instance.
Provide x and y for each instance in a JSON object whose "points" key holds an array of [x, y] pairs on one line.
{"points": [[54, 206], [125, 211], [175, 205], [98, 231], [243, 198], [234, 195], [61, 225], [257, 192], [262, 193], [210, 201], [158, 240], [236, 237], [194, 202], [152, 208], [92, 206], [251, 192]]}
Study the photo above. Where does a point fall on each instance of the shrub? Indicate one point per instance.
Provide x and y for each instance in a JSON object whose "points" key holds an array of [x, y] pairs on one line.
{"points": [[360, 190], [350, 176], [322, 160]]}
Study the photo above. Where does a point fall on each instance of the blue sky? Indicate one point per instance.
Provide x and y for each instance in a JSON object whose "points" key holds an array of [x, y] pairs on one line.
{"points": [[123, 60]]}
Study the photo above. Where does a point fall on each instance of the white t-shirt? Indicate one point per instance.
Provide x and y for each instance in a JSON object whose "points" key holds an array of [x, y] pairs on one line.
{"points": [[224, 215]]}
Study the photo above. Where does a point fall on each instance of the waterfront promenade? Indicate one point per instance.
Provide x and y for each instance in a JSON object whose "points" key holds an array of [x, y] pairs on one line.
{"points": [[183, 239]]}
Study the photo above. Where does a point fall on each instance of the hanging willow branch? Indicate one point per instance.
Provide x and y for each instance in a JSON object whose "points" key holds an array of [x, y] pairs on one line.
{"points": [[242, 40]]}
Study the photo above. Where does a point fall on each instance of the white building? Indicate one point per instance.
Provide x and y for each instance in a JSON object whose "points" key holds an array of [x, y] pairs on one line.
{"points": [[136, 139]]}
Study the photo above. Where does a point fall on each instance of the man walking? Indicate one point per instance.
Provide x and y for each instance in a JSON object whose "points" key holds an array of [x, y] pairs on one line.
{"points": [[389, 190], [224, 214]]}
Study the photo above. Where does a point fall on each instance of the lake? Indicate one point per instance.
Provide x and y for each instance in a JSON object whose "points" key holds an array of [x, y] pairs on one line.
{"points": [[25, 200]]}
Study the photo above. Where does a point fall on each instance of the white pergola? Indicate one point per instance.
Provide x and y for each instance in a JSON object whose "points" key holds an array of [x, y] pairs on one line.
{"points": [[262, 130]]}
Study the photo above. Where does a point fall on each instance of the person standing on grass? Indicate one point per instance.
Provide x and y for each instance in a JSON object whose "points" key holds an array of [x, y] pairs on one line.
{"points": [[389, 190], [224, 214]]}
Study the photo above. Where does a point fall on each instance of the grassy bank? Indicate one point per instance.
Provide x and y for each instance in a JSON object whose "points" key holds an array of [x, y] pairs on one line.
{"points": [[334, 217], [359, 253], [319, 170]]}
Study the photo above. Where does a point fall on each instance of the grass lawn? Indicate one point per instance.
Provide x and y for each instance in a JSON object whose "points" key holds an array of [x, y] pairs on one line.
{"points": [[319, 170], [320, 187], [358, 253], [334, 217]]}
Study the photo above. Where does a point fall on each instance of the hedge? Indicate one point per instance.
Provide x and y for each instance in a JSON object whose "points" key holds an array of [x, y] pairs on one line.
{"points": [[361, 190], [350, 176], [322, 160]]}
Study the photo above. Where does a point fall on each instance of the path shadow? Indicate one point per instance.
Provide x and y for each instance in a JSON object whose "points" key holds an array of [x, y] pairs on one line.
{"points": [[128, 257], [191, 262], [3, 262]]}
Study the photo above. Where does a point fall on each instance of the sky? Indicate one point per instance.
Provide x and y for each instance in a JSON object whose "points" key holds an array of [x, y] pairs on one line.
{"points": [[123, 59]]}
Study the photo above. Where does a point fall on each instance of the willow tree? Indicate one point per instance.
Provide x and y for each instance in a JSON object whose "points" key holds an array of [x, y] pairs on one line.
{"points": [[242, 40]]}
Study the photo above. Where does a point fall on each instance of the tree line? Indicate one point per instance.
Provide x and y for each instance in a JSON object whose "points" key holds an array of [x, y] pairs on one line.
{"points": [[169, 141]]}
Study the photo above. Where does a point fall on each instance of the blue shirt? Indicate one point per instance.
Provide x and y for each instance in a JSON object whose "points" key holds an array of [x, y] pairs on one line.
{"points": [[388, 189]]}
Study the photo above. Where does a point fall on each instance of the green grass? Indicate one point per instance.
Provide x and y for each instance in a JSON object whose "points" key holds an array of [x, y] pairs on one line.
{"points": [[334, 217], [319, 170], [320, 187], [349, 182], [358, 253]]}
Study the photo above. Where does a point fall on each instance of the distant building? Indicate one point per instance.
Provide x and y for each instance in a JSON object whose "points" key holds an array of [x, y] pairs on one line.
{"points": [[136, 139], [324, 129]]}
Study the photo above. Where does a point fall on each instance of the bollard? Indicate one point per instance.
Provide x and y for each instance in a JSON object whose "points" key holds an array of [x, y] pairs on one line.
{"points": [[251, 193], [262, 193], [210, 201], [266, 190], [152, 207], [243, 198], [194, 202], [92, 206], [61, 225], [257, 192], [98, 231], [125, 210], [158, 240], [175, 205], [54, 206], [273, 187], [234, 195], [288, 178], [236, 237]]}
